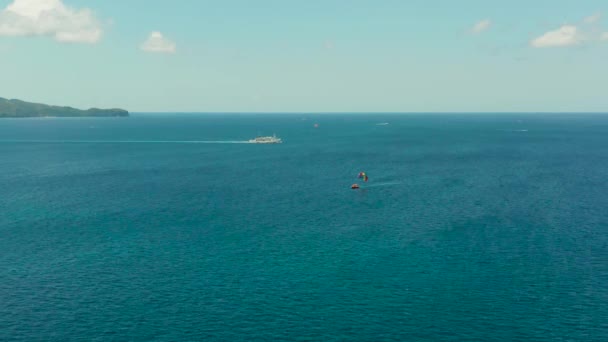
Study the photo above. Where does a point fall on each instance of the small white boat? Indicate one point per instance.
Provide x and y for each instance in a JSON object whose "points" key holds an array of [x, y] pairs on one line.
{"points": [[266, 140]]}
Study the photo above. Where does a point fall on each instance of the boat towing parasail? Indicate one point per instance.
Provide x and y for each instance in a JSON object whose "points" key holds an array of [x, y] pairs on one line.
{"points": [[363, 176]]}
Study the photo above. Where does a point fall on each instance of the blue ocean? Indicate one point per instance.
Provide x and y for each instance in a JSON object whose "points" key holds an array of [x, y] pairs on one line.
{"points": [[165, 227]]}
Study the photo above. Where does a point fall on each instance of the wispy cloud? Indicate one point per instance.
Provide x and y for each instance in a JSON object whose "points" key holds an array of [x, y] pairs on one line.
{"points": [[50, 18], [604, 36], [157, 43], [481, 26], [592, 19], [567, 35]]}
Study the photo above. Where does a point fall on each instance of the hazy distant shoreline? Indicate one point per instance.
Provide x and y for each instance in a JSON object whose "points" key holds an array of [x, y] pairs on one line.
{"points": [[22, 109]]}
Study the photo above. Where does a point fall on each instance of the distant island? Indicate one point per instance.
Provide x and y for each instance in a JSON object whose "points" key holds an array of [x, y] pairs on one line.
{"points": [[22, 109]]}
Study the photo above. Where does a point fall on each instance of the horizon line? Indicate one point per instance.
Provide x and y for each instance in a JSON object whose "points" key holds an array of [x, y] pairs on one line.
{"points": [[346, 112]]}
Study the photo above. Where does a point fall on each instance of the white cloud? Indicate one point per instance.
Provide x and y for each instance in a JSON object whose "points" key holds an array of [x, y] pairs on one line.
{"points": [[50, 18], [604, 36], [158, 43], [481, 26], [592, 19], [567, 35]]}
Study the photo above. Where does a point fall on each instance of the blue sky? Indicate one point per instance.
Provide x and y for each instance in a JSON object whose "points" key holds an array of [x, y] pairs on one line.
{"points": [[307, 56]]}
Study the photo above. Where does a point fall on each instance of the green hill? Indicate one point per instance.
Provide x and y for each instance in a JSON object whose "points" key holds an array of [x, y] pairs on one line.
{"points": [[22, 109]]}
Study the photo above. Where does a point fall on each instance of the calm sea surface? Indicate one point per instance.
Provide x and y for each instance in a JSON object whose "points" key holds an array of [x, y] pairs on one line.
{"points": [[471, 227]]}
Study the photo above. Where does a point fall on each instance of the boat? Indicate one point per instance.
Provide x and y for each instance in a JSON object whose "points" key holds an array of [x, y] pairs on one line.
{"points": [[354, 186], [266, 140]]}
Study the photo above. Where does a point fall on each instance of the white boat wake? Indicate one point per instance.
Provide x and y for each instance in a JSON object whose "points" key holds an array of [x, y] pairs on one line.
{"points": [[125, 142], [378, 185]]}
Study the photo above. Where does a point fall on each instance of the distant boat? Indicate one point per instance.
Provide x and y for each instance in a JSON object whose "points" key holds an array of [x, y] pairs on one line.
{"points": [[266, 140]]}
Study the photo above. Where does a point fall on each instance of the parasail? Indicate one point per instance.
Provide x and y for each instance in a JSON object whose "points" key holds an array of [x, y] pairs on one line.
{"points": [[363, 175]]}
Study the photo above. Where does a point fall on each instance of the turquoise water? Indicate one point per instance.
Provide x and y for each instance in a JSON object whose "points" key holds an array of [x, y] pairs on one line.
{"points": [[165, 228]]}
